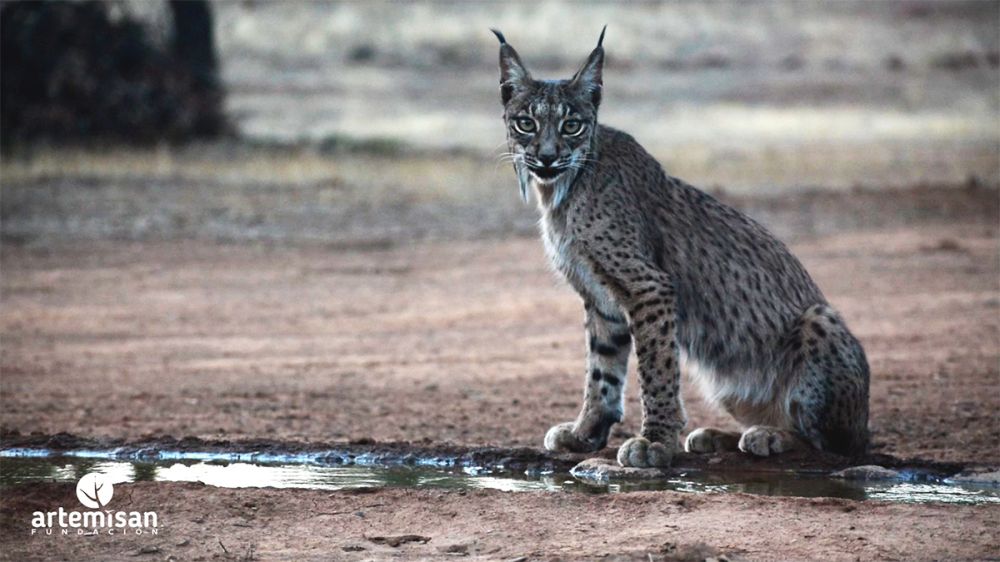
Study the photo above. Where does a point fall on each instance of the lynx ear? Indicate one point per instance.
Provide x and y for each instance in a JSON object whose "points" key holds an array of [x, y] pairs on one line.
{"points": [[589, 78], [513, 75]]}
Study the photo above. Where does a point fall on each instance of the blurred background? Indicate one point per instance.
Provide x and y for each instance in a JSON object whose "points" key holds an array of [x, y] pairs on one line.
{"points": [[326, 120]]}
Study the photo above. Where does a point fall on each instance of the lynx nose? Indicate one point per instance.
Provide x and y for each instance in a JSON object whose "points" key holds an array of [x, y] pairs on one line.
{"points": [[547, 159]]}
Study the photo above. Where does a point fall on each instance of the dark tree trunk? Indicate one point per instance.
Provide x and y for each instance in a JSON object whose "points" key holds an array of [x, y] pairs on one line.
{"points": [[192, 42], [73, 74]]}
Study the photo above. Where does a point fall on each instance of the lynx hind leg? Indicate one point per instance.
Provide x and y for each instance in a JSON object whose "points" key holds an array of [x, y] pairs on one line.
{"points": [[711, 440], [609, 344], [828, 402]]}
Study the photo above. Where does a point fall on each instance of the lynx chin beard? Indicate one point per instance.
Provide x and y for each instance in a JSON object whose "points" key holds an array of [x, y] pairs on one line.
{"points": [[551, 186]]}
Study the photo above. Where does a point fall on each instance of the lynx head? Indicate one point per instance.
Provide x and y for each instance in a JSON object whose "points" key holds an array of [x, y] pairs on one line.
{"points": [[551, 124]]}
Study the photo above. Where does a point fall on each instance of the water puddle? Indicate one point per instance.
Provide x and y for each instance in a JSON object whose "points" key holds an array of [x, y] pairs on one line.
{"points": [[230, 470]]}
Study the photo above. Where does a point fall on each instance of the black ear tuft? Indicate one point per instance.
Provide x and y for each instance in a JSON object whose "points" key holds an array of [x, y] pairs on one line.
{"points": [[513, 75], [589, 79], [600, 40]]}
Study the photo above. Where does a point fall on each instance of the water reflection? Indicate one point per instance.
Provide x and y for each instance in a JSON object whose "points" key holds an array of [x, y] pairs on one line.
{"points": [[16, 470], [143, 472]]}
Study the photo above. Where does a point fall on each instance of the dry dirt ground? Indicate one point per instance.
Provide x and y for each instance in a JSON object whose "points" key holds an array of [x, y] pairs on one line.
{"points": [[206, 523], [470, 342]]}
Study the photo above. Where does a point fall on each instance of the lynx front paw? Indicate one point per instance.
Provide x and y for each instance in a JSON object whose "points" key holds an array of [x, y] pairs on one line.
{"points": [[561, 439], [640, 452], [763, 441]]}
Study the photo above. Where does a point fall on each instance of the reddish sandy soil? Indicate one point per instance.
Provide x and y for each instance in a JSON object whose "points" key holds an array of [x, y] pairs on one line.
{"points": [[471, 343], [464, 342]]}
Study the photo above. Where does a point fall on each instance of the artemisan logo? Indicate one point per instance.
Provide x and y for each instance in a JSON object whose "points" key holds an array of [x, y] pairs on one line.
{"points": [[94, 491]]}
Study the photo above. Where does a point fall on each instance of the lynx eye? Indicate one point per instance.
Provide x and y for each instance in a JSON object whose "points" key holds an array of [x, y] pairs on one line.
{"points": [[572, 127], [524, 125]]}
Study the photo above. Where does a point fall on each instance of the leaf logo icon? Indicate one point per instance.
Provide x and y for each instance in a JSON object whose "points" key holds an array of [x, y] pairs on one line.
{"points": [[95, 490]]}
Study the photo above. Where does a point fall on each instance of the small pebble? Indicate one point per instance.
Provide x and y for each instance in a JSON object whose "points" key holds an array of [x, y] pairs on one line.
{"points": [[867, 472]]}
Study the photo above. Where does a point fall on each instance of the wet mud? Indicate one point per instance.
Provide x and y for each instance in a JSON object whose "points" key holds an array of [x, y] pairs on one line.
{"points": [[22, 468], [262, 463], [519, 459]]}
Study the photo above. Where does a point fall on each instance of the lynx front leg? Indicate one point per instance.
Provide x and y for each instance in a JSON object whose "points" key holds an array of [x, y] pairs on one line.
{"points": [[649, 297], [608, 344]]}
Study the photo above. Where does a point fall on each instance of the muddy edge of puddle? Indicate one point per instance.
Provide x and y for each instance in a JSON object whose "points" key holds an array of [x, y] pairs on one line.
{"points": [[487, 458]]}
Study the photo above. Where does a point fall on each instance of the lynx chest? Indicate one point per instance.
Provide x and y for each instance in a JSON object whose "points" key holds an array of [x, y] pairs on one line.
{"points": [[565, 257]]}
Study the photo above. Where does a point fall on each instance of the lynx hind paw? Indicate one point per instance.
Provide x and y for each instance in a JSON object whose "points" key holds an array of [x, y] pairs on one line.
{"points": [[640, 452], [711, 440], [561, 439], [764, 441]]}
